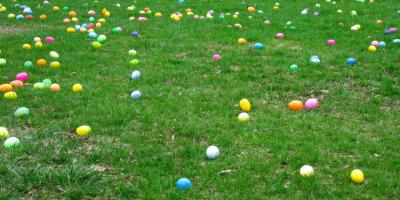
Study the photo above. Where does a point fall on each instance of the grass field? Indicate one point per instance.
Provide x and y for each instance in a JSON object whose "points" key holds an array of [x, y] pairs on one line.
{"points": [[138, 149]]}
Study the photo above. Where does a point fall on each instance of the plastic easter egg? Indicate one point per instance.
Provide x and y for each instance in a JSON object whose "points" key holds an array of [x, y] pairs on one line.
{"points": [[212, 152], [135, 34], [10, 95], [42, 17], [158, 14], [37, 39], [77, 88], [331, 42], [11, 142], [55, 8], [142, 19], [22, 112], [38, 45], [311, 103], [70, 30], [216, 57], [96, 45], [372, 49], [306, 171], [55, 65], [135, 75], [134, 62], [379, 22], [19, 17], [4, 133], [374, 43], [72, 14], [55, 87], [11, 16], [315, 59], [92, 35], [17, 84], [132, 52], [294, 68], [396, 41], [258, 45], [6, 87], [296, 105], [83, 130], [91, 12], [136, 94], [54, 54], [41, 62], [382, 44], [47, 83], [38, 86], [242, 41], [23, 76], [102, 20], [28, 65], [245, 105], [243, 117], [3, 61], [351, 61], [279, 35], [49, 39], [102, 37], [183, 184], [357, 176], [27, 46]]}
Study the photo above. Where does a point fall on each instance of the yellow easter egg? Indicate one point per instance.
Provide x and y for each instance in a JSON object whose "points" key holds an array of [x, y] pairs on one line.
{"points": [[55, 65], [372, 48], [4, 133], [10, 95], [77, 88], [357, 176], [83, 130], [70, 30], [27, 46], [245, 105]]}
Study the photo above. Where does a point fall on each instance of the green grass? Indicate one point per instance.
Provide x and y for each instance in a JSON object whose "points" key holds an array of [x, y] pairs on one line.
{"points": [[190, 102]]}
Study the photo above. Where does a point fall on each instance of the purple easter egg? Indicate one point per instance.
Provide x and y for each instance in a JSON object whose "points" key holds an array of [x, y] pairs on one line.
{"points": [[311, 103]]}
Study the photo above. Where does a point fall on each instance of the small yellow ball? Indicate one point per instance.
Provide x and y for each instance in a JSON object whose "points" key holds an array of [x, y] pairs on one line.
{"points": [[4, 133]]}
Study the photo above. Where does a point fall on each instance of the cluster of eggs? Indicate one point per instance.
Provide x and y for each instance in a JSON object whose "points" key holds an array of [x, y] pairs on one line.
{"points": [[298, 105]]}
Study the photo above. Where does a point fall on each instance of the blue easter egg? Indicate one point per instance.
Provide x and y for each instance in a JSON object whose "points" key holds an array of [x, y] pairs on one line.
{"points": [[22, 112], [136, 94], [351, 61], [181, 1], [386, 32], [135, 75], [183, 184], [134, 34], [258, 45], [92, 35], [382, 44]]}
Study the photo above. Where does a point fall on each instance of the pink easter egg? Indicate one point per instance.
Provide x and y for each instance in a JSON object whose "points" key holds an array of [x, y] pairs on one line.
{"points": [[49, 39], [331, 42], [311, 103], [216, 57], [374, 43], [142, 19], [393, 30], [279, 35], [23, 76]]}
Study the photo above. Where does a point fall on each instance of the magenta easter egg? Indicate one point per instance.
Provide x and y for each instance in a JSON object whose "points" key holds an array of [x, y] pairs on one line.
{"points": [[331, 42], [49, 39], [279, 35], [311, 103], [216, 57], [375, 43], [23, 76]]}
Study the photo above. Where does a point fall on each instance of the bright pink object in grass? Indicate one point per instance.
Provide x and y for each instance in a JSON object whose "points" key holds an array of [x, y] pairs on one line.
{"points": [[23, 76], [311, 103], [331, 42], [216, 57]]}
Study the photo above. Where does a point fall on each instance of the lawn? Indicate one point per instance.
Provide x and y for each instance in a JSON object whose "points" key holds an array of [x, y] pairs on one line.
{"points": [[138, 149]]}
